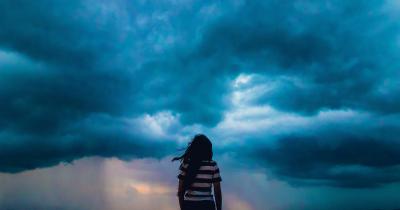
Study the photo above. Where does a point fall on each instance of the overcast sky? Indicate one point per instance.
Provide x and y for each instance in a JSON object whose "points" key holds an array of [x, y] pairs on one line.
{"points": [[303, 95]]}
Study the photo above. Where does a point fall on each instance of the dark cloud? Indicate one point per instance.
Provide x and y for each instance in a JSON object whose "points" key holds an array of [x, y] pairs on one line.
{"points": [[103, 60], [60, 32], [343, 160], [97, 135], [342, 51], [65, 62], [316, 57]]}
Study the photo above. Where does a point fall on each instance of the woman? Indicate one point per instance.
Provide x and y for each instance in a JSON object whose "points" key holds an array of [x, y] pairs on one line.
{"points": [[198, 173]]}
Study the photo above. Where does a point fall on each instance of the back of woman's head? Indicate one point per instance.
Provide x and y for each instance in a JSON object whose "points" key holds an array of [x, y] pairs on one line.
{"points": [[198, 150]]}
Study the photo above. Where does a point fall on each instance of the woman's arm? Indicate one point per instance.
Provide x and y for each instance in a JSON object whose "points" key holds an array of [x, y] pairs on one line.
{"points": [[218, 195], [180, 194]]}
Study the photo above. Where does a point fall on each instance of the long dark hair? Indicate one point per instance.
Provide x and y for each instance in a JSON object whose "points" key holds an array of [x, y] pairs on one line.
{"points": [[199, 149]]}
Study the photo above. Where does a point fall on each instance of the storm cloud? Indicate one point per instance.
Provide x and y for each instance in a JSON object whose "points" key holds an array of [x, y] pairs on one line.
{"points": [[347, 162], [134, 79]]}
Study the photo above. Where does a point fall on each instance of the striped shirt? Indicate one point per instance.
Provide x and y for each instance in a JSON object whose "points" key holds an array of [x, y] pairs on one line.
{"points": [[201, 188]]}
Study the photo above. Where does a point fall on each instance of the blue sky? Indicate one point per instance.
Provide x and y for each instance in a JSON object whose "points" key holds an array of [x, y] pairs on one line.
{"points": [[304, 92]]}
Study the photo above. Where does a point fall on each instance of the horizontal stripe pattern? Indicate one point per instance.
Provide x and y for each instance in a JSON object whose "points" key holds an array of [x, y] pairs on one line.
{"points": [[201, 188]]}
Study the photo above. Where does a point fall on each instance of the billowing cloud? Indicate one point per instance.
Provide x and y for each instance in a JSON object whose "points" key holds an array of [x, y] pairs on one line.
{"points": [[315, 161], [343, 51], [272, 80]]}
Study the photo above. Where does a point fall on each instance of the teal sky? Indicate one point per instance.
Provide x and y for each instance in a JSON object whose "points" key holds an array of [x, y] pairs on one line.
{"points": [[301, 98]]}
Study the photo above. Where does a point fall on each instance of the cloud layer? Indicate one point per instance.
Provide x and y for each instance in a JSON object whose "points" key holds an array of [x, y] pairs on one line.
{"points": [[309, 89]]}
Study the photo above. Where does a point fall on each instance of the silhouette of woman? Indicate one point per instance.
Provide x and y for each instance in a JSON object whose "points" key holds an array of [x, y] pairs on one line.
{"points": [[198, 173]]}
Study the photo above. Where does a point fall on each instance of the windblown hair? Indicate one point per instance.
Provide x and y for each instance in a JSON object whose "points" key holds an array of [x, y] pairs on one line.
{"points": [[199, 149]]}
